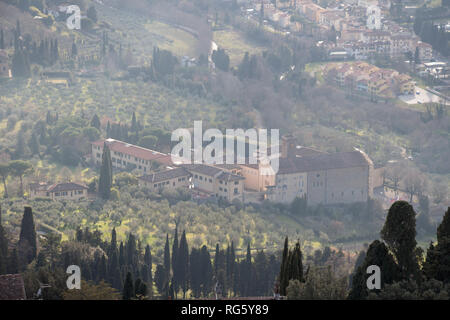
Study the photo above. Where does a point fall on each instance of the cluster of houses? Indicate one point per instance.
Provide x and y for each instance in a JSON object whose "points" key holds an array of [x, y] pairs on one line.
{"points": [[361, 26], [368, 79], [327, 178]]}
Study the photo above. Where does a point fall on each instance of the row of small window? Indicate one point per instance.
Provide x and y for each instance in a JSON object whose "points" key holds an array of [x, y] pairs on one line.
{"points": [[158, 185], [65, 193], [127, 156], [235, 191], [342, 193], [201, 178]]}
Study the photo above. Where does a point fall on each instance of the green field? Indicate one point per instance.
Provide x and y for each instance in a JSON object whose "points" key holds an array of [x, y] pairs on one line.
{"points": [[235, 45]]}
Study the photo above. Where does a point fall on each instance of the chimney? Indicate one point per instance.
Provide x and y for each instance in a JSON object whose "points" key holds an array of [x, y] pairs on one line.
{"points": [[288, 145]]}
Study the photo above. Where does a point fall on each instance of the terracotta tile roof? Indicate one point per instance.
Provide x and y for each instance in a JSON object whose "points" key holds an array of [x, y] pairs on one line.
{"points": [[134, 151], [165, 175], [322, 162], [12, 287], [66, 186], [226, 176], [202, 169]]}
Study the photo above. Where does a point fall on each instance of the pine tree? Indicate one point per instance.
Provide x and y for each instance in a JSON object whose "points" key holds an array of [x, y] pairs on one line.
{"points": [[105, 180], [128, 288], [27, 239], [399, 233]]}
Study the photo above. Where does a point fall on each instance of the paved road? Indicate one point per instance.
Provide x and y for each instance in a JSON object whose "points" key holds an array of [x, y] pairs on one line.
{"points": [[420, 96]]}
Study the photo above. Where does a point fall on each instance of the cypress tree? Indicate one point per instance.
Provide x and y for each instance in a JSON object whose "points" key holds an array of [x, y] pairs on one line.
{"points": [[34, 144], [114, 271], [131, 251], [128, 288], [121, 255], [95, 122], [3, 247], [183, 264], [167, 260], [13, 266], [175, 247], [147, 268], [160, 279], [291, 266], [2, 40], [113, 244], [74, 50], [195, 276], [206, 271], [284, 281], [134, 126], [105, 180], [27, 239]]}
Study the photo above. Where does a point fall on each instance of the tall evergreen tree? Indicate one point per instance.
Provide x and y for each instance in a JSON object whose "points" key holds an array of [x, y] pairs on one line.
{"points": [[95, 122], [291, 266], [167, 259], [183, 264], [3, 247], [128, 288], [437, 264], [106, 175], [27, 239], [399, 233], [175, 247], [2, 40], [377, 254]]}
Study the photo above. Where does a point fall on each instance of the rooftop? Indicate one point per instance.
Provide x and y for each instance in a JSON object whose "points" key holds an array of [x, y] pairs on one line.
{"points": [[327, 161], [165, 175], [135, 151], [12, 287], [66, 186]]}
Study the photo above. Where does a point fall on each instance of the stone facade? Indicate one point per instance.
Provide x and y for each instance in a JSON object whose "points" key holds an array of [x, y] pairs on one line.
{"points": [[344, 177]]}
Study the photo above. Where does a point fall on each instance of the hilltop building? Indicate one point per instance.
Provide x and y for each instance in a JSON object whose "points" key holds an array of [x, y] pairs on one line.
{"points": [[322, 178], [125, 156]]}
